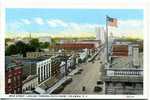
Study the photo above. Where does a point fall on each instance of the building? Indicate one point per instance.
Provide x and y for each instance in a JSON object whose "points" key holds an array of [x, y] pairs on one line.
{"points": [[45, 39], [83, 56], [100, 34], [34, 55], [73, 46], [124, 72], [13, 77], [43, 70], [63, 69], [24, 40], [29, 66], [97, 43], [119, 50], [71, 62], [29, 84], [55, 72], [48, 68]]}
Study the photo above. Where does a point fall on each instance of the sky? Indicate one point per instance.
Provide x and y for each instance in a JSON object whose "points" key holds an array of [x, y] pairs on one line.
{"points": [[71, 22]]}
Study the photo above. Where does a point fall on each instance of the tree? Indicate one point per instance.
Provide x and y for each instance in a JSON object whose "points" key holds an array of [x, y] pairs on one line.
{"points": [[44, 45], [54, 40], [21, 47], [12, 49], [35, 44]]}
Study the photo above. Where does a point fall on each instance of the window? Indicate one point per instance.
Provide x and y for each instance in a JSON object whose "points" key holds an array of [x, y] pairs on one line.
{"points": [[9, 80], [18, 77], [44, 72], [41, 73], [15, 79], [18, 89], [14, 91]]}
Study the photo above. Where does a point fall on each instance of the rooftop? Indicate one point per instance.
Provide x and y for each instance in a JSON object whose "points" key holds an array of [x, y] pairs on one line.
{"points": [[123, 78], [125, 62], [10, 62], [29, 78]]}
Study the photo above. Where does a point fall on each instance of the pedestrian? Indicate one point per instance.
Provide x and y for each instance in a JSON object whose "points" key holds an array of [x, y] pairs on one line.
{"points": [[83, 88]]}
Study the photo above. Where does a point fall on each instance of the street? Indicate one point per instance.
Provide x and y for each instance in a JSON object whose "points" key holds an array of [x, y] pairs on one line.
{"points": [[88, 78]]}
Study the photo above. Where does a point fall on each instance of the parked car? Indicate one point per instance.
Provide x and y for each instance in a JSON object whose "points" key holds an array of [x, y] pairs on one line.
{"points": [[99, 82], [97, 89], [81, 70], [58, 90]]}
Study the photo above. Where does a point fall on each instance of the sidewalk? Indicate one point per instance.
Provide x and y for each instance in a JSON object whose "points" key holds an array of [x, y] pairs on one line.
{"points": [[90, 59], [74, 71]]}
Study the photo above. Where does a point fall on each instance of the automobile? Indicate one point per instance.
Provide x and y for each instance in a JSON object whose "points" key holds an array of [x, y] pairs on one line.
{"points": [[58, 90], [67, 82], [99, 82], [101, 62], [97, 89], [81, 70]]}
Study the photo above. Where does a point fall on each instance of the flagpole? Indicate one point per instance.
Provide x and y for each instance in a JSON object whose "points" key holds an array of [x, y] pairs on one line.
{"points": [[107, 38]]}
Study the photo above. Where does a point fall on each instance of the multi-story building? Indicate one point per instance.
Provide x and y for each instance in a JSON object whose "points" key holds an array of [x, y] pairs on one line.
{"points": [[13, 77], [124, 72], [73, 46], [48, 68], [29, 84], [119, 50], [55, 66], [31, 55], [43, 70], [45, 39], [63, 69]]}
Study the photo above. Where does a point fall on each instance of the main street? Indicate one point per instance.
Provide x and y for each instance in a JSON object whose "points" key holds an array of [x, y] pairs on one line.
{"points": [[88, 78]]}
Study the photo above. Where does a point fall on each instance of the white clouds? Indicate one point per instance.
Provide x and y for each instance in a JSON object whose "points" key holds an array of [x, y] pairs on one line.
{"points": [[130, 23], [128, 28], [26, 21], [57, 23], [39, 21], [125, 27], [74, 26], [71, 26]]}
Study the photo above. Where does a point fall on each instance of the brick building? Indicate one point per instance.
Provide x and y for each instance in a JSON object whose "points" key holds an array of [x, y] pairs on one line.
{"points": [[119, 50], [124, 72], [13, 77], [73, 46]]}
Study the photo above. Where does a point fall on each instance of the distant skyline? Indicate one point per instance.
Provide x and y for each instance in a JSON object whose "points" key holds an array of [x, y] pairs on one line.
{"points": [[71, 22]]}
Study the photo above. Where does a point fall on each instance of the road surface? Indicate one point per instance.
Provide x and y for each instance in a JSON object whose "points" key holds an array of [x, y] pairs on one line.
{"points": [[88, 78]]}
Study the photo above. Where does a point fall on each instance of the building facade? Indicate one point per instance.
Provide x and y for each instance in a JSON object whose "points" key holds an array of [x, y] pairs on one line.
{"points": [[48, 68], [73, 46], [124, 72], [43, 70], [13, 79], [31, 55], [45, 39], [30, 83]]}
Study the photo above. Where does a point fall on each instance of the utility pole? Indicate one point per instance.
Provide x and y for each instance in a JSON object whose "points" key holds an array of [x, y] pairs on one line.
{"points": [[107, 39]]}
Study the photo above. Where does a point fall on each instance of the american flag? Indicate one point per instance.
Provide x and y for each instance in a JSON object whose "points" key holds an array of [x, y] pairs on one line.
{"points": [[112, 21]]}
